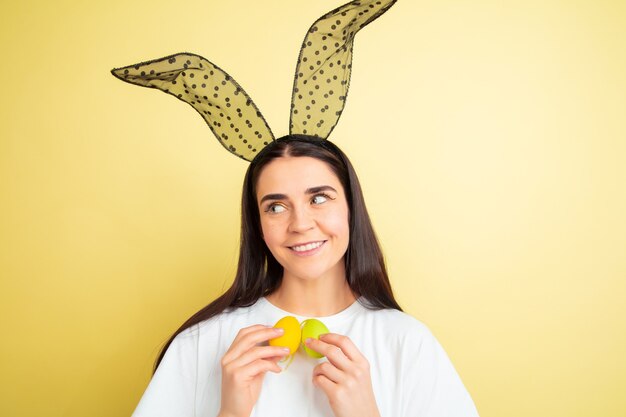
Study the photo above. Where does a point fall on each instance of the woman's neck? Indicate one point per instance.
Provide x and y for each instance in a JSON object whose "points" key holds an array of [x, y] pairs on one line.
{"points": [[316, 298]]}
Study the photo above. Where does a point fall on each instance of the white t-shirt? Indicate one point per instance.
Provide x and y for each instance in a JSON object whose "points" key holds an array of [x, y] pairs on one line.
{"points": [[411, 374]]}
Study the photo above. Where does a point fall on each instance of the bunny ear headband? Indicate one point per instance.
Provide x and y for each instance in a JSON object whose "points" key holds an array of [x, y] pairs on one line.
{"points": [[319, 89]]}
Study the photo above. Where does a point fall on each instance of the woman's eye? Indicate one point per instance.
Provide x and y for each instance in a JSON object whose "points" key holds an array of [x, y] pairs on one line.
{"points": [[275, 208], [319, 199]]}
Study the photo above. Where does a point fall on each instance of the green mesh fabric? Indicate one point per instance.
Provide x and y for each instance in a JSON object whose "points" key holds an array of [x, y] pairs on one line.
{"points": [[324, 67]]}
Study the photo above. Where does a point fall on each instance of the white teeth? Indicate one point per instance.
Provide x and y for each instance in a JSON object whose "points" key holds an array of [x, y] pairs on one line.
{"points": [[308, 246]]}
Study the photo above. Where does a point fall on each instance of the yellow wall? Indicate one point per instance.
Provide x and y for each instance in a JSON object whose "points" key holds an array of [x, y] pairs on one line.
{"points": [[490, 137]]}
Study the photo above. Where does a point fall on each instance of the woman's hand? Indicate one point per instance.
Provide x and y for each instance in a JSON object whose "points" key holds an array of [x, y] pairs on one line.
{"points": [[345, 378], [243, 367]]}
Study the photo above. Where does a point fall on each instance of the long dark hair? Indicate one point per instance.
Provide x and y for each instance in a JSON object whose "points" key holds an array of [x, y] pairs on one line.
{"points": [[258, 272]]}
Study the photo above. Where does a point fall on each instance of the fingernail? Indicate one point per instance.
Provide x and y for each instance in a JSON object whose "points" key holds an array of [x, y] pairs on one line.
{"points": [[279, 330], [285, 350], [308, 340]]}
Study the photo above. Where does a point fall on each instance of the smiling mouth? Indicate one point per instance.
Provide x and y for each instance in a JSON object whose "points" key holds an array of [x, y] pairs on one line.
{"points": [[307, 247]]}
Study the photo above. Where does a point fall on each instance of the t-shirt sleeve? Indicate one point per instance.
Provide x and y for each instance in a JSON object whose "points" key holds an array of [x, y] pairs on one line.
{"points": [[431, 385], [172, 390]]}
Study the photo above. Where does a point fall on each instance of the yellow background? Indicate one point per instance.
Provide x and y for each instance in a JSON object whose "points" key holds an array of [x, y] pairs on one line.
{"points": [[490, 137]]}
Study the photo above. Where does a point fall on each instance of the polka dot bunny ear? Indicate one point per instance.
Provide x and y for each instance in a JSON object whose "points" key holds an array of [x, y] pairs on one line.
{"points": [[319, 92], [228, 110], [324, 67]]}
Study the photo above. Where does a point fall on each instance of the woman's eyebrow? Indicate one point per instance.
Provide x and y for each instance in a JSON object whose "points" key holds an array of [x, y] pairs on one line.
{"points": [[273, 197], [312, 190], [315, 190]]}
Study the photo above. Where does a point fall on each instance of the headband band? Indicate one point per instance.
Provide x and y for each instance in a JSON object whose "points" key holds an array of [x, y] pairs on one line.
{"points": [[323, 143]]}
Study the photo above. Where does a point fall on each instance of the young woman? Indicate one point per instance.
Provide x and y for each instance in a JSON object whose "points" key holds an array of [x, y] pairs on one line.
{"points": [[308, 249]]}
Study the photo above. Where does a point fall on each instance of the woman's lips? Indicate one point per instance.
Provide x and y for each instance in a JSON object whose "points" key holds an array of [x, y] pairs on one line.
{"points": [[307, 248]]}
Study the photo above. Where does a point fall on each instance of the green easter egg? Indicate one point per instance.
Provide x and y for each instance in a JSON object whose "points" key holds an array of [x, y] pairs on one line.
{"points": [[312, 328]]}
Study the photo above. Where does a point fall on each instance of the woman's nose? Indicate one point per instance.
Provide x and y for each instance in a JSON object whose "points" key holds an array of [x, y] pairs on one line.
{"points": [[301, 220]]}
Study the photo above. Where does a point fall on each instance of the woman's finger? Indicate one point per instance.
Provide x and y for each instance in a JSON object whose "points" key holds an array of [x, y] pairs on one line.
{"points": [[325, 384], [246, 341], [258, 336], [345, 344], [333, 353], [252, 328], [249, 329], [329, 371], [245, 331], [260, 352], [260, 366]]}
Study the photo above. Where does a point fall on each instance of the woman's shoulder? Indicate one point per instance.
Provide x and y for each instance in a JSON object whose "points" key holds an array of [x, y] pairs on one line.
{"points": [[397, 324]]}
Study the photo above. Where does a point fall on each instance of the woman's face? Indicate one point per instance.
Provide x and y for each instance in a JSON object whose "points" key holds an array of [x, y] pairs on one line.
{"points": [[304, 217]]}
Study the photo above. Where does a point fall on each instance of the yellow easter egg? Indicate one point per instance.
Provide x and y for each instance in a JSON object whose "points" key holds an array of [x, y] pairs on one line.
{"points": [[291, 338], [312, 328]]}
